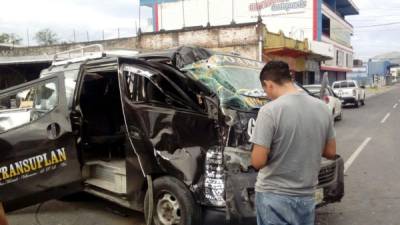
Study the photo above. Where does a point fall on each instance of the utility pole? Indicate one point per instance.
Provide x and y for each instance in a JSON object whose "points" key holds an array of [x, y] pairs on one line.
{"points": [[118, 33], [233, 12], [27, 36], [208, 13], [183, 12], [161, 15], [74, 36], [87, 35], [140, 29], [103, 34]]}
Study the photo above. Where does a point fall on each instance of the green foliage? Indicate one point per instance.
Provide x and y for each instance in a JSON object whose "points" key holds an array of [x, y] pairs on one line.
{"points": [[46, 37], [10, 38]]}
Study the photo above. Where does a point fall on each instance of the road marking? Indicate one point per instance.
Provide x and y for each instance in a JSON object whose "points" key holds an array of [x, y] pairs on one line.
{"points": [[385, 118], [395, 106], [356, 153]]}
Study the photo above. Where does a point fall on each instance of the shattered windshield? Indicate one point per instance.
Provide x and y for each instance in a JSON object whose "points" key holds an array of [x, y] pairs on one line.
{"points": [[234, 79]]}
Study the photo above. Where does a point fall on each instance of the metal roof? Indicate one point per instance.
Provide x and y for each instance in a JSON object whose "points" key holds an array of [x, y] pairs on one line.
{"points": [[18, 60], [347, 7]]}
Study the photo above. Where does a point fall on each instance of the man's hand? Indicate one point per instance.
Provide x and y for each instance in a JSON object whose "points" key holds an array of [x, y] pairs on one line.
{"points": [[330, 149], [259, 156], [3, 220]]}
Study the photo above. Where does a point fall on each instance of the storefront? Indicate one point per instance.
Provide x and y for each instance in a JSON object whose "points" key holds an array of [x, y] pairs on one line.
{"points": [[303, 63]]}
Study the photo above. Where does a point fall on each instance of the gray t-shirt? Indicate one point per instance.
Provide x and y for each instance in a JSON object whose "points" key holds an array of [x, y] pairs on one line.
{"points": [[295, 127]]}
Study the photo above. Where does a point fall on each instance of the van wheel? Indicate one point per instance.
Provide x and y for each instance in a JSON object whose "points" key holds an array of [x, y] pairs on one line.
{"points": [[173, 203]]}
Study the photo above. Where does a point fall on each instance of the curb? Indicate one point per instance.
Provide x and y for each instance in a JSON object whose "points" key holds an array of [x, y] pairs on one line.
{"points": [[383, 92]]}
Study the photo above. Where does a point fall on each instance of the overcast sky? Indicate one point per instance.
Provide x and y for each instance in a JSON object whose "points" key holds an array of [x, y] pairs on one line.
{"points": [[96, 16]]}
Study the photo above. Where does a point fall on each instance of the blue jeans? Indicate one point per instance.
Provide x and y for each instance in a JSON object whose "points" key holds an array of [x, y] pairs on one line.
{"points": [[274, 209]]}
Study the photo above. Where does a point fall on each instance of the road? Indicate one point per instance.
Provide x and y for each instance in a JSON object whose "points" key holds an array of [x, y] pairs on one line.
{"points": [[368, 139], [372, 179]]}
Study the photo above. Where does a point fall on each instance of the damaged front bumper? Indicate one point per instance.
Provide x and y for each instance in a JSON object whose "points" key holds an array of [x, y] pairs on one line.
{"points": [[239, 194]]}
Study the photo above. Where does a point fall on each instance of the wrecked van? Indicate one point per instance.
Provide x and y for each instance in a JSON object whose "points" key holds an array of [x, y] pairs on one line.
{"points": [[164, 133]]}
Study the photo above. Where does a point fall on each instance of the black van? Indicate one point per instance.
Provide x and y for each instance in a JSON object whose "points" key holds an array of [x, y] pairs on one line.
{"points": [[165, 133]]}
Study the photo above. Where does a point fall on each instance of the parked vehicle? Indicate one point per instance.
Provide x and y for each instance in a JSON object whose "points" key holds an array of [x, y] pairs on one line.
{"points": [[330, 98], [350, 92], [166, 133]]}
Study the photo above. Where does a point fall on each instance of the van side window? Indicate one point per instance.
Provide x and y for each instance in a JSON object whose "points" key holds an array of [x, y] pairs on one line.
{"points": [[144, 89], [132, 84], [24, 106]]}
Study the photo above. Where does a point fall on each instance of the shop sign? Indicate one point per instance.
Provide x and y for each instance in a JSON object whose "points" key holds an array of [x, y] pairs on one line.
{"points": [[277, 6]]}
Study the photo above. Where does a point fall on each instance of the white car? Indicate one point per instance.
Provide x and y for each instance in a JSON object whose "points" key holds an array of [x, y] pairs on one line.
{"points": [[330, 98], [350, 92]]}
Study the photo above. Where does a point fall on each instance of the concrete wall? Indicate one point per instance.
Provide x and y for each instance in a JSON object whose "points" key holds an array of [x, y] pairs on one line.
{"points": [[241, 38], [122, 43]]}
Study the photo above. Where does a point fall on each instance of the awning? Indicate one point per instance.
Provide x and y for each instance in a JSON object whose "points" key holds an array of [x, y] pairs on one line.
{"points": [[289, 52]]}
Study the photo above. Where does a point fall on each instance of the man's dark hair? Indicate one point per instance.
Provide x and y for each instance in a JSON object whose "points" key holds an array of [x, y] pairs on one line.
{"points": [[276, 71]]}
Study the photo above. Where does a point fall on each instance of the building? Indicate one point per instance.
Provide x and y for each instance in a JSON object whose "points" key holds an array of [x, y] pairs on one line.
{"points": [[338, 31], [360, 73], [379, 71], [322, 22]]}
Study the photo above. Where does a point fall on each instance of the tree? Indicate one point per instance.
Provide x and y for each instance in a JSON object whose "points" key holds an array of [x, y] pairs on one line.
{"points": [[10, 38], [46, 37]]}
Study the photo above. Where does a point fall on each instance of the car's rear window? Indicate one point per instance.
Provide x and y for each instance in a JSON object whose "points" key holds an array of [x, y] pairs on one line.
{"points": [[344, 84]]}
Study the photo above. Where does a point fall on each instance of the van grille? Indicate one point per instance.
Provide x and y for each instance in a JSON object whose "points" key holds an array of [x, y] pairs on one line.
{"points": [[326, 174]]}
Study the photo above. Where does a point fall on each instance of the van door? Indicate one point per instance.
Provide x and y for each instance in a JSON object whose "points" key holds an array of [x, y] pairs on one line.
{"points": [[162, 122], [37, 146]]}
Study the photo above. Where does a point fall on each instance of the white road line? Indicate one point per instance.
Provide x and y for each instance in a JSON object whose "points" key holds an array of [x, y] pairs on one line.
{"points": [[385, 118], [395, 106], [356, 153]]}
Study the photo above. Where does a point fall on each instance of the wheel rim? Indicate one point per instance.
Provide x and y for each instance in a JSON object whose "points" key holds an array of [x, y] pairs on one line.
{"points": [[168, 209]]}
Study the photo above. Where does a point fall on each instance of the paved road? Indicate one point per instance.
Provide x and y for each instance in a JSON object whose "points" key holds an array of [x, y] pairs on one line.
{"points": [[368, 140], [372, 181]]}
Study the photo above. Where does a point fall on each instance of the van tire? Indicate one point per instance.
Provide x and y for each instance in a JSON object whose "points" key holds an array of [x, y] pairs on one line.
{"points": [[190, 212]]}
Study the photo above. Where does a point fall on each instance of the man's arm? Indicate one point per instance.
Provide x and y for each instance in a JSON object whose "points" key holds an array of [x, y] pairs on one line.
{"points": [[259, 156], [3, 219], [330, 149]]}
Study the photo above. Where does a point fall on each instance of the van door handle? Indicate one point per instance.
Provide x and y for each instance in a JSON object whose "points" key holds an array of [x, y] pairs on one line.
{"points": [[53, 131]]}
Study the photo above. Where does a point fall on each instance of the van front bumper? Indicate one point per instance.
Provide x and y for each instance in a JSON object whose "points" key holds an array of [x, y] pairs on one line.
{"points": [[240, 194]]}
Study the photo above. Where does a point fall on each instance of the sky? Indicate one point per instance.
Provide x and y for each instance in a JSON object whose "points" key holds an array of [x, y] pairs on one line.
{"points": [[371, 41], [66, 17], [89, 19]]}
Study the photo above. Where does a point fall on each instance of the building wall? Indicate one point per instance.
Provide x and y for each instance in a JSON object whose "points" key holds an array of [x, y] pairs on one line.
{"points": [[297, 19], [293, 17], [241, 38], [380, 68], [340, 37]]}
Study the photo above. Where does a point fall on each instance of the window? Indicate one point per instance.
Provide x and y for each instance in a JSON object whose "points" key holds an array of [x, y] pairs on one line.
{"points": [[340, 58], [22, 107], [70, 83], [155, 89], [326, 26], [337, 57], [345, 84]]}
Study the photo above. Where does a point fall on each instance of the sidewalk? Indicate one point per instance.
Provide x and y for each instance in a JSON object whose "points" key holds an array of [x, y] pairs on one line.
{"points": [[370, 92]]}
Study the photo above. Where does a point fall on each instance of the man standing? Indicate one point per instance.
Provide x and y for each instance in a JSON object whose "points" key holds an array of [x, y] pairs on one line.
{"points": [[292, 132], [3, 220]]}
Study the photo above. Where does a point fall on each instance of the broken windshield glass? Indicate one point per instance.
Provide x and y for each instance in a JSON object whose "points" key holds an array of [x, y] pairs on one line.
{"points": [[235, 80]]}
